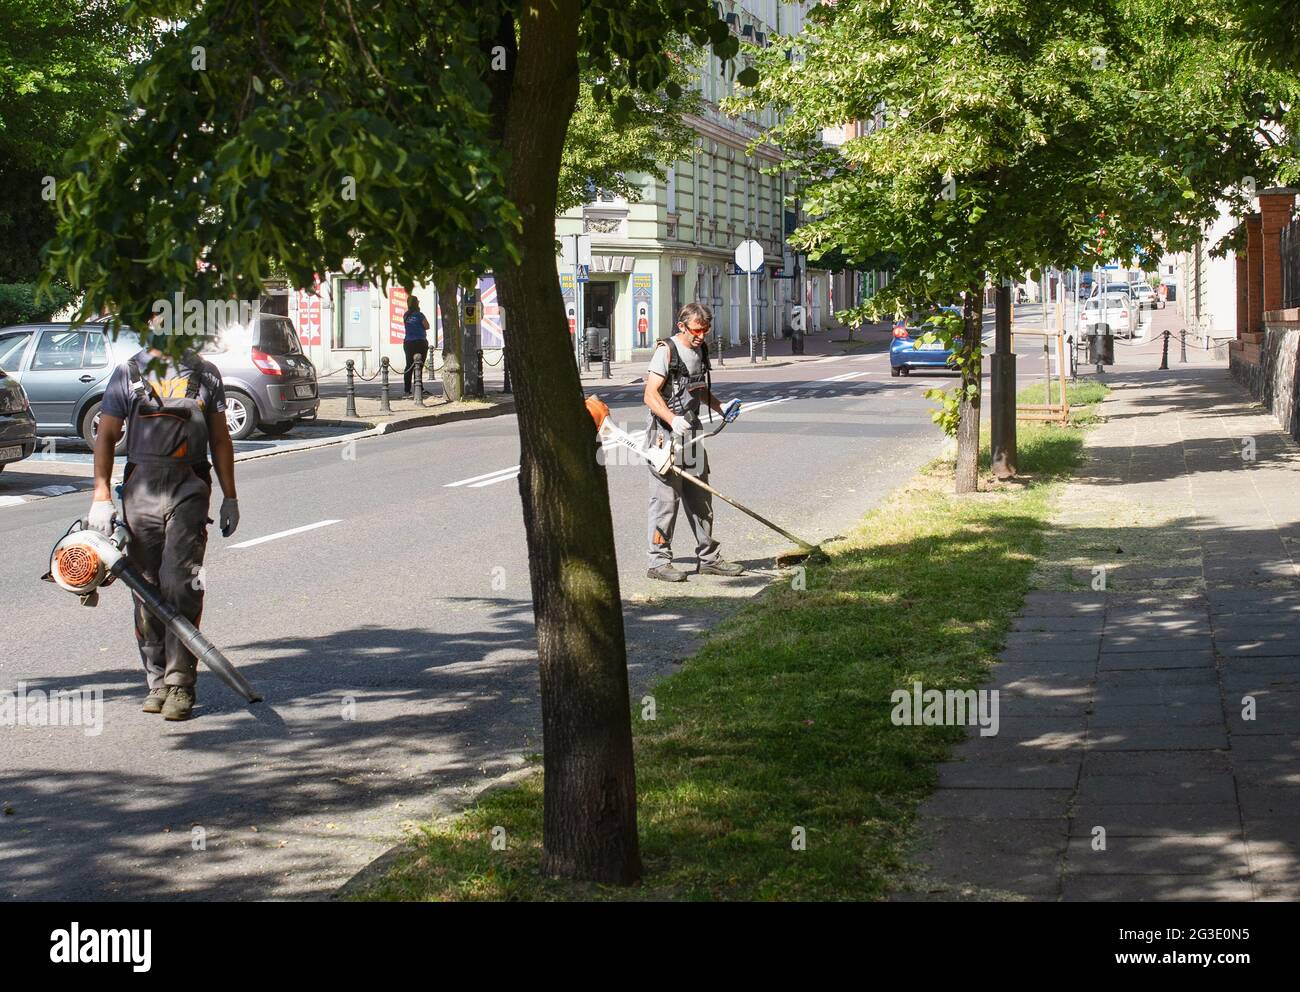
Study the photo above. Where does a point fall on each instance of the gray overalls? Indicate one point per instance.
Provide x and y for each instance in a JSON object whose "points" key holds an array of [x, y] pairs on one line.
{"points": [[165, 493], [683, 393]]}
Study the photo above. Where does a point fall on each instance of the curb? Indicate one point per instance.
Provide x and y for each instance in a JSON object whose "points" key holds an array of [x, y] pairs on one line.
{"points": [[367, 429]]}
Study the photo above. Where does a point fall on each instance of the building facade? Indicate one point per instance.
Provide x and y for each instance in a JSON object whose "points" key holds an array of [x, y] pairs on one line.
{"points": [[677, 243]]}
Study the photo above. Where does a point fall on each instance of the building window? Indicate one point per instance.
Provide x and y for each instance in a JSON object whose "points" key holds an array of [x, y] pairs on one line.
{"points": [[672, 188]]}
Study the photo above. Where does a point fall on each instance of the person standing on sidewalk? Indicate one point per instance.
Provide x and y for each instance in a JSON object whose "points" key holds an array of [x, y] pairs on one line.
{"points": [[174, 414], [677, 383], [415, 342]]}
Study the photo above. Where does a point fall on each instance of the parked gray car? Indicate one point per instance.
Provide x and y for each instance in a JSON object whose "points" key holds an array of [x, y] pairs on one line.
{"points": [[270, 384], [17, 425]]}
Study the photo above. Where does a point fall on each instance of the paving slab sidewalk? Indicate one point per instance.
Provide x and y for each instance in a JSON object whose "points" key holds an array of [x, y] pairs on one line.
{"points": [[1150, 739]]}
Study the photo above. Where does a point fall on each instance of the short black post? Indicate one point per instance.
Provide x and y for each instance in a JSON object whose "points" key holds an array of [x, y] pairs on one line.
{"points": [[604, 359], [505, 367], [477, 390], [1164, 353], [417, 384], [586, 356], [721, 346], [351, 409], [384, 405], [1182, 341]]}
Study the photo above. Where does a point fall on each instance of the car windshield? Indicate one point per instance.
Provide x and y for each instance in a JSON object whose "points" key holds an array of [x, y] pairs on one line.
{"points": [[276, 336], [272, 334]]}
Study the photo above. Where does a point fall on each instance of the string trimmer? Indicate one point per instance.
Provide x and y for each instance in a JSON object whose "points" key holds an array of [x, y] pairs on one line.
{"points": [[661, 461]]}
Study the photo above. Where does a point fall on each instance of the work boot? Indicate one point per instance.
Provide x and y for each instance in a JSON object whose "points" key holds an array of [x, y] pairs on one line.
{"points": [[153, 703], [721, 567], [179, 704], [666, 573]]}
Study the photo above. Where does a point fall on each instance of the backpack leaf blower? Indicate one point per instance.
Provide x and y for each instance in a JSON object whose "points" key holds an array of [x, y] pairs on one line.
{"points": [[661, 461], [85, 560]]}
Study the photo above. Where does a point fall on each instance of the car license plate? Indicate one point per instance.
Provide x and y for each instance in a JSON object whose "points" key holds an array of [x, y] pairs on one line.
{"points": [[931, 346], [302, 392], [12, 453]]}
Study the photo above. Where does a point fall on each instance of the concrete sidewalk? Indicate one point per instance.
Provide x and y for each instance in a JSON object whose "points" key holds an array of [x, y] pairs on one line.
{"points": [[1149, 746]]}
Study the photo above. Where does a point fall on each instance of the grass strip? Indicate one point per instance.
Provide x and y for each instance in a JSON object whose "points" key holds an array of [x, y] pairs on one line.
{"points": [[781, 722]]}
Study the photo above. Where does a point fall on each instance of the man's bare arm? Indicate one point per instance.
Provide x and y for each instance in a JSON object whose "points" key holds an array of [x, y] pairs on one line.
{"points": [[654, 399], [110, 432], [223, 453]]}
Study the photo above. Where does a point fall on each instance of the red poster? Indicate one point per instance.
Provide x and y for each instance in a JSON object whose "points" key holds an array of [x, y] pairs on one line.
{"points": [[397, 298], [309, 317]]}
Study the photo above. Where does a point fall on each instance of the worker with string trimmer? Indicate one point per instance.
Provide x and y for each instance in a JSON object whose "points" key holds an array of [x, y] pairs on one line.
{"points": [[678, 383]]}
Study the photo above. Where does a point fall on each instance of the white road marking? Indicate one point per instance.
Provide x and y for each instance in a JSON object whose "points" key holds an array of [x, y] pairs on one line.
{"points": [[751, 407], [283, 533], [11, 500], [510, 474], [476, 478], [507, 474], [844, 376]]}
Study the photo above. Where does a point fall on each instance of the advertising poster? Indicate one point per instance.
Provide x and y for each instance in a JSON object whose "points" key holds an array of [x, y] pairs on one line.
{"points": [[492, 321], [570, 303], [397, 299], [643, 302], [309, 315]]}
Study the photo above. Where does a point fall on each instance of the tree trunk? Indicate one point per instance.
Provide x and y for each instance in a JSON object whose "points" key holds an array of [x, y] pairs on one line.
{"points": [[589, 824], [968, 427], [446, 282]]}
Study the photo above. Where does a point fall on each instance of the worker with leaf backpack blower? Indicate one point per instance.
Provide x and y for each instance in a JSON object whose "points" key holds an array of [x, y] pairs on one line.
{"points": [[678, 382], [173, 413]]}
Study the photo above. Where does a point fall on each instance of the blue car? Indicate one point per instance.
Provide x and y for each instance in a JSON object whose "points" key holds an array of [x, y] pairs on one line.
{"points": [[907, 352]]}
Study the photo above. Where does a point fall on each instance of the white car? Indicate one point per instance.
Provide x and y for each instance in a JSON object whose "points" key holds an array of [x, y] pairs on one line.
{"points": [[1145, 297], [1114, 309]]}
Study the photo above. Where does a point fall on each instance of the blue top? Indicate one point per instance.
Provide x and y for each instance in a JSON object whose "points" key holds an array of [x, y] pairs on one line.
{"points": [[414, 322]]}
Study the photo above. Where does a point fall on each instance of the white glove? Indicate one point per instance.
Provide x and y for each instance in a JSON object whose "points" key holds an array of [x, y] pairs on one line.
{"points": [[228, 518], [100, 517], [681, 426]]}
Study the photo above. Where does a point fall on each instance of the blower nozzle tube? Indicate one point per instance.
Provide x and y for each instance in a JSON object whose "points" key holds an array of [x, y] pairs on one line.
{"points": [[198, 645]]}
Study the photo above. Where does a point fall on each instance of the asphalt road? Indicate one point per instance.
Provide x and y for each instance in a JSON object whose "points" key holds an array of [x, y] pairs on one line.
{"points": [[391, 634]]}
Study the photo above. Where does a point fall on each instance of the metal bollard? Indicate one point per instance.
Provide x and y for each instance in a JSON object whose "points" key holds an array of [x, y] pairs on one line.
{"points": [[1164, 353], [765, 346], [505, 368], [351, 409], [1182, 341], [604, 359], [384, 405], [417, 383], [721, 347], [586, 356], [475, 388]]}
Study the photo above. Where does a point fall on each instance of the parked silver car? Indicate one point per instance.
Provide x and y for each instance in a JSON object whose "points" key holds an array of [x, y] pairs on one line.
{"points": [[17, 425], [270, 384]]}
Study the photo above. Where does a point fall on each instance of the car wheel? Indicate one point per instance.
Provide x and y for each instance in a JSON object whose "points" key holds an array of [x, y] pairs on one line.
{"points": [[275, 430], [895, 371], [241, 415], [90, 429], [905, 370]]}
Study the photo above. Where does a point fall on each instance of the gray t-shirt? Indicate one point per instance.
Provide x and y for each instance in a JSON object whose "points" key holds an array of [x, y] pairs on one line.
{"points": [[212, 393], [692, 359]]}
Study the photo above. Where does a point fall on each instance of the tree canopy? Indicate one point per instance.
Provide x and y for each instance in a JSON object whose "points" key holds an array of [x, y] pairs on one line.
{"points": [[62, 69]]}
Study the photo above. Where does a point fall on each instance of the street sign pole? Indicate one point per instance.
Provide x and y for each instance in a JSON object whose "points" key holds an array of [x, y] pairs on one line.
{"points": [[749, 306], [749, 259]]}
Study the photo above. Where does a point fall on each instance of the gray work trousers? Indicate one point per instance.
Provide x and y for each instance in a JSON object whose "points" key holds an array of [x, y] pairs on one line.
{"points": [[667, 493], [166, 512]]}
